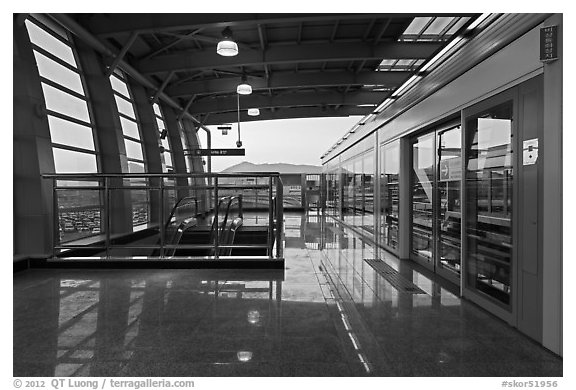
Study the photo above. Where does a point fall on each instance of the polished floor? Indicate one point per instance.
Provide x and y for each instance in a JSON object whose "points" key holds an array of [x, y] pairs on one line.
{"points": [[328, 314]]}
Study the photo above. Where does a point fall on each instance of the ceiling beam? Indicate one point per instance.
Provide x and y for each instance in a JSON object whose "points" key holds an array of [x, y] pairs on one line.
{"points": [[169, 45], [229, 103], [110, 24], [283, 80], [285, 113], [191, 61]]}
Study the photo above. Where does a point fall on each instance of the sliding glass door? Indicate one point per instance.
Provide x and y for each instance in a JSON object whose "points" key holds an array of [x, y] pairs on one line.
{"points": [[489, 183], [435, 197]]}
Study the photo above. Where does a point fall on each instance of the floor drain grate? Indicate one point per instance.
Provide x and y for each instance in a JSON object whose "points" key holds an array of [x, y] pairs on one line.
{"points": [[393, 277]]}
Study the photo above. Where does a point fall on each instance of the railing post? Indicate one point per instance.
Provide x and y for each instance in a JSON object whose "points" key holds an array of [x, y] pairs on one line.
{"points": [[217, 222], [107, 214], [161, 216], [270, 218], [56, 216], [279, 217]]}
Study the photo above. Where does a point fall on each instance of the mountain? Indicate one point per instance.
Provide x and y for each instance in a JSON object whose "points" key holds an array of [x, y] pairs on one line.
{"points": [[278, 167]]}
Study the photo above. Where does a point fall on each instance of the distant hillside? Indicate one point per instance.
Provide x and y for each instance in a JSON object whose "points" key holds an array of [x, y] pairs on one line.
{"points": [[279, 167]]}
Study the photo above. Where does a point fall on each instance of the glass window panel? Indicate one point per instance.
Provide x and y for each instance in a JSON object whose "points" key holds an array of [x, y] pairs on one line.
{"points": [[448, 184], [125, 107], [119, 86], [404, 62], [133, 149], [68, 161], [135, 167], [160, 124], [70, 133], [165, 143], [423, 167], [49, 43], [168, 159], [417, 26], [389, 193], [438, 25], [457, 26], [65, 103], [129, 128], [489, 180], [387, 62], [156, 108], [59, 74]]}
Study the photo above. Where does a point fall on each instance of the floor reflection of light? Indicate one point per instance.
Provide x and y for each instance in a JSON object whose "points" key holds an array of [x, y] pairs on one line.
{"points": [[443, 357], [244, 356], [253, 317]]}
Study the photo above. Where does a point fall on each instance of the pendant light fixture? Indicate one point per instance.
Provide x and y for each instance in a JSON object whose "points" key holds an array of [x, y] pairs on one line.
{"points": [[227, 47], [244, 88]]}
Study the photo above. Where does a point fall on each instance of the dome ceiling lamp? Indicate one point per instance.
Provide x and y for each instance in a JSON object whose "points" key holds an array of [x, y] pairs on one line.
{"points": [[227, 47], [244, 88]]}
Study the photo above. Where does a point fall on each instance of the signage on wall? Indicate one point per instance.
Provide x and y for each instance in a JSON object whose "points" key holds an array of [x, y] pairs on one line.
{"points": [[530, 152], [450, 169], [549, 43], [218, 152]]}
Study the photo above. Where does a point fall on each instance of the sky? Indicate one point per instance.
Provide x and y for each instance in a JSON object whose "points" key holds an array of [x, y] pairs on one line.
{"points": [[293, 141]]}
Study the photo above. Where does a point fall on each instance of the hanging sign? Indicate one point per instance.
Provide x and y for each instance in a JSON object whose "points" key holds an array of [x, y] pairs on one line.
{"points": [[218, 152], [549, 43]]}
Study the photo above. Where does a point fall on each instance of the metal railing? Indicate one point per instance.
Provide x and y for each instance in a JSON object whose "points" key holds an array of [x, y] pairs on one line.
{"points": [[163, 194]]}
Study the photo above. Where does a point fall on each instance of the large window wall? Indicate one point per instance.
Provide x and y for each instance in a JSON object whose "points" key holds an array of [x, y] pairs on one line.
{"points": [[67, 105], [72, 131], [350, 191]]}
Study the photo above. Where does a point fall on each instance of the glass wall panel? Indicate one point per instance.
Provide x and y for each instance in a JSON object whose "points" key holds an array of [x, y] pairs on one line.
{"points": [[368, 191], [65, 132], [129, 128], [50, 43], [489, 178], [119, 86], [449, 176], [423, 166], [68, 161], [358, 202], [125, 107], [133, 149], [348, 178], [59, 74], [389, 193], [64, 103]]}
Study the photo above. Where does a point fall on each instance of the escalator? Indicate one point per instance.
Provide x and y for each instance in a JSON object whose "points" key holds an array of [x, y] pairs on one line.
{"points": [[191, 234]]}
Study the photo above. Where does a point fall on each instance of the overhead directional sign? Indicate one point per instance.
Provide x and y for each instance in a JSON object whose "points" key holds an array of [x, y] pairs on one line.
{"points": [[218, 152]]}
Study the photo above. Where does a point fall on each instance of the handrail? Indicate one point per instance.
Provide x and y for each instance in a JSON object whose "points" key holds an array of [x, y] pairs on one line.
{"points": [[177, 205], [155, 175]]}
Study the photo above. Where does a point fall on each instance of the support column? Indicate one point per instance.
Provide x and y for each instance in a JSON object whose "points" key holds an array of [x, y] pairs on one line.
{"points": [[551, 160], [32, 148], [404, 217], [150, 144], [178, 158], [109, 138], [191, 134]]}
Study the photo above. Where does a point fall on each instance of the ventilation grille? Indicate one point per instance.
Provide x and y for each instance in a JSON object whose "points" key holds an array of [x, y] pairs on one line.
{"points": [[393, 277]]}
